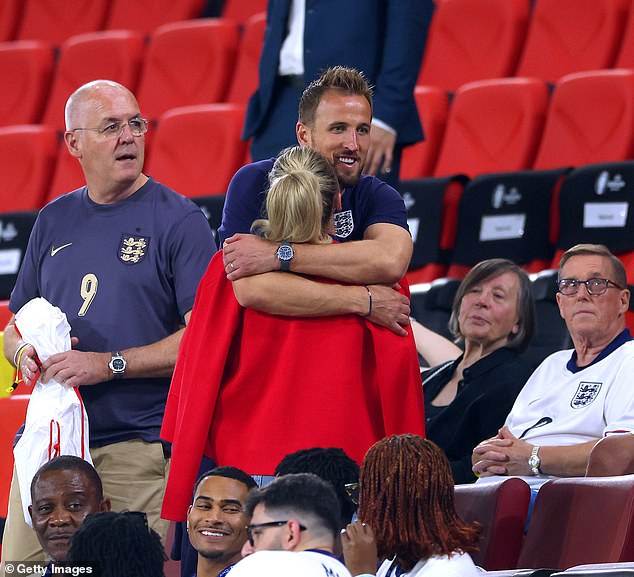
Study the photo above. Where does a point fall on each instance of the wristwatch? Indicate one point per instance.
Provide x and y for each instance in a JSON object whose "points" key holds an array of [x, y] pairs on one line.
{"points": [[285, 254], [534, 461], [117, 365]]}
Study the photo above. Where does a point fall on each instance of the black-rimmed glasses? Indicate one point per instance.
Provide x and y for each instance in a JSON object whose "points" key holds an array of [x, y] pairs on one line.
{"points": [[594, 286], [250, 528], [138, 126]]}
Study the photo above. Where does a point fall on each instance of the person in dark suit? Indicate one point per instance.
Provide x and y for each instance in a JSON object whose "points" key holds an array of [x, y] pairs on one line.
{"points": [[382, 38]]}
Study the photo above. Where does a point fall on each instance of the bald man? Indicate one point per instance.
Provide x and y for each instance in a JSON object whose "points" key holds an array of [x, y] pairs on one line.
{"points": [[122, 257]]}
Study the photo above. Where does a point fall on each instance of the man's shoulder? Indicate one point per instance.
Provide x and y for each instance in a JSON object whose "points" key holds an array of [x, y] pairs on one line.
{"points": [[255, 170], [173, 200]]}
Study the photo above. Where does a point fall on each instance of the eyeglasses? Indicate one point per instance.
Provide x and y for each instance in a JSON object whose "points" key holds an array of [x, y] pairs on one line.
{"points": [[594, 286], [352, 489], [250, 528], [138, 126]]}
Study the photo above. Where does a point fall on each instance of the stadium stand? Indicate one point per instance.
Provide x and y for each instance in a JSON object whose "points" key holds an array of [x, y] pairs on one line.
{"points": [[567, 36], [147, 15], [242, 11], [590, 119], [56, 21], [15, 229], [501, 509], [493, 126], [113, 55], [473, 41], [10, 13], [625, 58], [419, 159], [27, 68], [184, 156], [187, 63], [67, 174], [244, 80], [27, 156]]}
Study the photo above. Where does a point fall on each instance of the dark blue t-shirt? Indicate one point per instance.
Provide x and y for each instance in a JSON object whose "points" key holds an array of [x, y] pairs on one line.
{"points": [[369, 202], [124, 274]]}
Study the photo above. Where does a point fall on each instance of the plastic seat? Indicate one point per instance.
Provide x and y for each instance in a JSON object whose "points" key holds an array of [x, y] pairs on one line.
{"points": [[625, 58], [581, 520], [245, 77], [27, 67], [242, 11], [147, 15], [67, 174], [590, 120], [501, 509], [187, 63], [115, 55], [197, 149], [432, 209], [473, 40], [56, 21], [13, 411], [5, 313], [15, 229], [419, 159], [212, 209], [505, 216], [27, 156], [493, 126], [431, 304], [10, 13], [567, 36]]}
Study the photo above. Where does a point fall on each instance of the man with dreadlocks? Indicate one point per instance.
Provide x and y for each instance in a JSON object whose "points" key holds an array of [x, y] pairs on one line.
{"points": [[407, 515]]}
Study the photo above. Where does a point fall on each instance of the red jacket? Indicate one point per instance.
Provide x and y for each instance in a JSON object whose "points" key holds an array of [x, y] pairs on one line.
{"points": [[249, 388]]}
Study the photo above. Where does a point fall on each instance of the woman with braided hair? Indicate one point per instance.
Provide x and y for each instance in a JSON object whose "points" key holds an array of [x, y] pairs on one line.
{"points": [[407, 517]]}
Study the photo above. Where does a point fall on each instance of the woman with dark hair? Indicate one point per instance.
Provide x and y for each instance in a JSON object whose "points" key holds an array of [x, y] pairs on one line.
{"points": [[407, 517], [467, 400]]}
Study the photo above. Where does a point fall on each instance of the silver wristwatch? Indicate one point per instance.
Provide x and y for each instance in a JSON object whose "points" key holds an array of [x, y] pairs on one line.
{"points": [[534, 461], [117, 365]]}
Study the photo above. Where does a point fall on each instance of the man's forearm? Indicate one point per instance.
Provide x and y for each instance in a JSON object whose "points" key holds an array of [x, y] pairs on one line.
{"points": [[568, 461], [291, 295], [155, 360]]}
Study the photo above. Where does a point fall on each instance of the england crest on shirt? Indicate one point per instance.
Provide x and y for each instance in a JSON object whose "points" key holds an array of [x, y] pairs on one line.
{"points": [[586, 393], [132, 249], [344, 225]]}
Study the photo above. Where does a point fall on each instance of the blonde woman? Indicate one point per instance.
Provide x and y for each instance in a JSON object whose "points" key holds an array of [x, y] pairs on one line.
{"points": [[250, 387]]}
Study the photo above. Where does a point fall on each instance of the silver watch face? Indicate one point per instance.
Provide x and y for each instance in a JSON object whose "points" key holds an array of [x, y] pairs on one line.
{"points": [[534, 461], [285, 252], [117, 364]]}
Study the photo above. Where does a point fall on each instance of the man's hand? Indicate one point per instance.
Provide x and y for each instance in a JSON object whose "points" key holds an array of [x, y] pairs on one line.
{"points": [[74, 368], [502, 455], [247, 255], [359, 548], [390, 308], [381, 151], [29, 365]]}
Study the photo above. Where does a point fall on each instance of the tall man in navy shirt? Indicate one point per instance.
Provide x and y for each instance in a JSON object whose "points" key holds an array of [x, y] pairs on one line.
{"points": [[374, 245], [122, 257]]}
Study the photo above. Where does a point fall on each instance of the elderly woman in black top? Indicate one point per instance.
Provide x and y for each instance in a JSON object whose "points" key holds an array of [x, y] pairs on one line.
{"points": [[467, 400]]}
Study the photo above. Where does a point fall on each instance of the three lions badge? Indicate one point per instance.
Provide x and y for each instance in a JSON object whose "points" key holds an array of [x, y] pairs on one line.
{"points": [[132, 249]]}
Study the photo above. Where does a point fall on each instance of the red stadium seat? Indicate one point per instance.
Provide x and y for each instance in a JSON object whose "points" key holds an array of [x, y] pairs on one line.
{"points": [[27, 156], [5, 313], [188, 63], [245, 76], [241, 11], [591, 119], [493, 126], [147, 15], [115, 55], [67, 174], [625, 58], [197, 149], [433, 107], [13, 411], [581, 520], [501, 509], [27, 67], [55, 21], [473, 40], [567, 36], [10, 13]]}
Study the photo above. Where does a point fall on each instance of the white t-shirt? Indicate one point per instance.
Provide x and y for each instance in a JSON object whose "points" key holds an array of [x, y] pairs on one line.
{"points": [[458, 565], [289, 564]]}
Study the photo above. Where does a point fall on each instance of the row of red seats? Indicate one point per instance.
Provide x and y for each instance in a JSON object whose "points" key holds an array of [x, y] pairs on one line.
{"points": [[183, 63], [481, 39], [513, 124], [56, 21]]}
